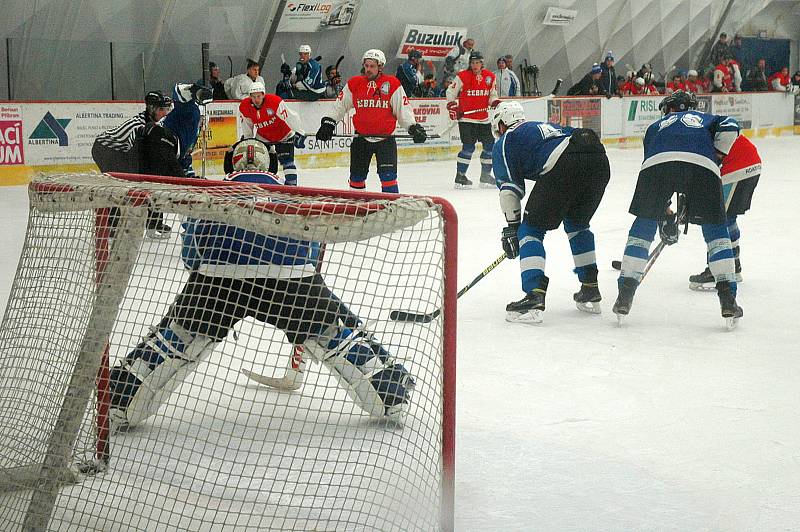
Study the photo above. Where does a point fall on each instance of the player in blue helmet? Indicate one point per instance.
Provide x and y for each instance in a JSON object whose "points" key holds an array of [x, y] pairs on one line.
{"points": [[184, 120], [236, 273]]}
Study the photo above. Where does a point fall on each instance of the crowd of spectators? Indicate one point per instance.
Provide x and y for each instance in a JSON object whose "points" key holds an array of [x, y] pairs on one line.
{"points": [[724, 73]]}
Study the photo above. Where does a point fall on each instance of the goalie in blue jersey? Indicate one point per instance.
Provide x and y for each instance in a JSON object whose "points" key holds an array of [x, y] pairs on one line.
{"points": [[571, 171], [682, 153], [236, 273]]}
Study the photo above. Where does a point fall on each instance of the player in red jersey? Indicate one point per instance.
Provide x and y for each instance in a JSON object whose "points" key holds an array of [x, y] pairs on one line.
{"points": [[266, 118], [380, 103], [740, 171], [470, 96]]}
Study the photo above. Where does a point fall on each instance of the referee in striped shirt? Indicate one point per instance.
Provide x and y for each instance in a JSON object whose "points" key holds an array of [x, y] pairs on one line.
{"points": [[117, 149]]}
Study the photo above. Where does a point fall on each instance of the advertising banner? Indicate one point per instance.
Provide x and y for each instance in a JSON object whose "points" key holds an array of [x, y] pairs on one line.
{"points": [[306, 17], [797, 110], [639, 113], [435, 42], [12, 148], [63, 133], [581, 112], [736, 105]]}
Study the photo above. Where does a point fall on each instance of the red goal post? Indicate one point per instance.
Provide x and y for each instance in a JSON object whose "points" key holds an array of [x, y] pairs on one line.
{"points": [[383, 251]]}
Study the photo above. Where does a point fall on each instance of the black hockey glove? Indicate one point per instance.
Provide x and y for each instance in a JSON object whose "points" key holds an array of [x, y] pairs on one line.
{"points": [[325, 131], [668, 229], [299, 141], [510, 240], [418, 133], [286, 70], [201, 94]]}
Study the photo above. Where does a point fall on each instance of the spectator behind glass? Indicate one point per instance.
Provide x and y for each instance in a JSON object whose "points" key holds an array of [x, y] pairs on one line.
{"points": [[333, 82], [306, 78], [430, 88], [589, 85], [238, 87], [736, 48], [509, 61], [215, 83], [757, 77], [410, 74], [721, 50], [608, 76], [507, 80], [458, 59]]}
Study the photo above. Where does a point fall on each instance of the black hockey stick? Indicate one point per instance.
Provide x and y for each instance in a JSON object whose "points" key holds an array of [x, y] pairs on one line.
{"points": [[402, 315], [434, 136]]}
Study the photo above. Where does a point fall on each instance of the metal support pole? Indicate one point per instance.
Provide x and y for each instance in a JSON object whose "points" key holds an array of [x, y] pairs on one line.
{"points": [[111, 58], [144, 84], [205, 57], [273, 28], [8, 66]]}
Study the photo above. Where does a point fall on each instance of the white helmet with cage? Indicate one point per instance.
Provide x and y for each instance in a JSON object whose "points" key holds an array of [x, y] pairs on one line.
{"points": [[250, 154], [375, 55], [510, 113], [304, 49]]}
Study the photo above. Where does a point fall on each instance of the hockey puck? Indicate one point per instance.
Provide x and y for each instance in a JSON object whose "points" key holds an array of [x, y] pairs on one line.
{"points": [[616, 264]]}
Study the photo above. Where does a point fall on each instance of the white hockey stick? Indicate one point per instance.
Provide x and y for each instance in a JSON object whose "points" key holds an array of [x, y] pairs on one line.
{"points": [[292, 379]]}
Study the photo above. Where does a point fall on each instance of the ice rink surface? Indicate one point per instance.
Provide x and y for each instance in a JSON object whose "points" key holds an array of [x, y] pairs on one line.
{"points": [[666, 423]]}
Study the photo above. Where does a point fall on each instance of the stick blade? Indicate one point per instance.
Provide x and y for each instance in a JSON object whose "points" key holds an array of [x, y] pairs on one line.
{"points": [[401, 315], [287, 383]]}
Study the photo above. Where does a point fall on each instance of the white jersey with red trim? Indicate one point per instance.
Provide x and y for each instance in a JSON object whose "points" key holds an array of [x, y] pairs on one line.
{"points": [[474, 93], [271, 122], [380, 105], [742, 162]]}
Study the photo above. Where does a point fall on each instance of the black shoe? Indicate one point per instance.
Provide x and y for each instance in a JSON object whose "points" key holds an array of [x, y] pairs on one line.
{"points": [[624, 302], [487, 181], [529, 309], [462, 181]]}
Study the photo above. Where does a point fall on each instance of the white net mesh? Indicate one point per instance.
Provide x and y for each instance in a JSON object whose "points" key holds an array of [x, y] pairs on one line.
{"points": [[222, 452]]}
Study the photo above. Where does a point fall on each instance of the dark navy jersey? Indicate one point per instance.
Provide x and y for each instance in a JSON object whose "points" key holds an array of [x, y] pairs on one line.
{"points": [[184, 119], [526, 152], [689, 136], [221, 250]]}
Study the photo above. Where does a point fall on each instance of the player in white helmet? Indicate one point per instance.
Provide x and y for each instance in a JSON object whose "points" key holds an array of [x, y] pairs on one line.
{"points": [[380, 103]]}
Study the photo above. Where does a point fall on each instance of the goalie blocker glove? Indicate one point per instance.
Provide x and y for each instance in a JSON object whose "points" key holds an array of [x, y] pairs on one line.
{"points": [[418, 133], [326, 128]]}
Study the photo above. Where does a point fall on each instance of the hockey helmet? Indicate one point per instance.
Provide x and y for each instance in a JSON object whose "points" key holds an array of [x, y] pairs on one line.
{"points": [[414, 54], [475, 55], [680, 100], [509, 113], [376, 55], [250, 154], [157, 99], [304, 49], [257, 86]]}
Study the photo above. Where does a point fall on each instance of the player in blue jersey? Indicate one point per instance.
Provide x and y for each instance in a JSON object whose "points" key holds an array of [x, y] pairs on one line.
{"points": [[306, 76], [184, 120], [571, 171], [682, 152], [234, 274]]}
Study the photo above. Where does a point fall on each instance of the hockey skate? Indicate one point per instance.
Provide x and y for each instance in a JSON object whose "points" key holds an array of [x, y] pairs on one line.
{"points": [[588, 298], [158, 230], [705, 282], [487, 181], [529, 309], [731, 312], [462, 181], [624, 302]]}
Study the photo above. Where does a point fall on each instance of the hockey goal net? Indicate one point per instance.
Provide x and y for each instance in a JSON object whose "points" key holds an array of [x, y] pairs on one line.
{"points": [[222, 452]]}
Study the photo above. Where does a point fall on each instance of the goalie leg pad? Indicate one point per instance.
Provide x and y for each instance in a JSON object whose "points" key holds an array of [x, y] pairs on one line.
{"points": [[150, 373], [371, 377]]}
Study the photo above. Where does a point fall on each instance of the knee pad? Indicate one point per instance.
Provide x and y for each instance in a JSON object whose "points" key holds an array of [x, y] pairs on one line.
{"points": [[363, 367], [150, 373]]}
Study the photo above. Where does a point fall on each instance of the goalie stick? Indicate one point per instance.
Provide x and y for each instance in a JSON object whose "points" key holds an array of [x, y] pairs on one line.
{"points": [[402, 315]]}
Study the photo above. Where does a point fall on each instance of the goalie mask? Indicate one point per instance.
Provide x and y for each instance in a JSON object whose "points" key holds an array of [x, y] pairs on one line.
{"points": [[250, 155], [508, 112]]}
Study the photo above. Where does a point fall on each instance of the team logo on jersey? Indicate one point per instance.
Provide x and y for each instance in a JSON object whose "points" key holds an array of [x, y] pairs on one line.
{"points": [[692, 120], [270, 112], [488, 80], [385, 87], [668, 121]]}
